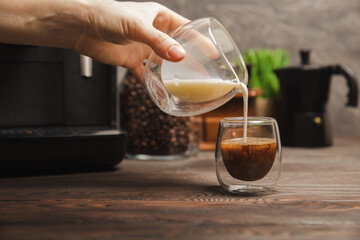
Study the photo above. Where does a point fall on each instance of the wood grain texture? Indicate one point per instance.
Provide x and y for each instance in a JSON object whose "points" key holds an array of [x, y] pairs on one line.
{"points": [[318, 197]]}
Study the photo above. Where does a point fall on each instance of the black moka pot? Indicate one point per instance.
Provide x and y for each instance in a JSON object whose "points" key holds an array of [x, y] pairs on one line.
{"points": [[303, 121]]}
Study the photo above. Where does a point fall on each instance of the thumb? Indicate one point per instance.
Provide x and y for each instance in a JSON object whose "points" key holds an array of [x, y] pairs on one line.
{"points": [[163, 45]]}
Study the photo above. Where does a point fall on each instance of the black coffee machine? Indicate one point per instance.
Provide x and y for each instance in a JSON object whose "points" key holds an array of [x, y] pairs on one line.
{"points": [[303, 121], [58, 111]]}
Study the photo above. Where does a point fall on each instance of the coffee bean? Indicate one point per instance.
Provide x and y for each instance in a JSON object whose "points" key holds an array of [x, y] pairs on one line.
{"points": [[149, 130]]}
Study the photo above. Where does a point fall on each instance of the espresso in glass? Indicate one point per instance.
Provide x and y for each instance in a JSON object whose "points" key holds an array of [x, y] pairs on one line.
{"points": [[248, 154], [250, 160]]}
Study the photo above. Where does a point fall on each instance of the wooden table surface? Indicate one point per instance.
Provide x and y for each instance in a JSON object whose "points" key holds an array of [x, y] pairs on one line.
{"points": [[318, 197]]}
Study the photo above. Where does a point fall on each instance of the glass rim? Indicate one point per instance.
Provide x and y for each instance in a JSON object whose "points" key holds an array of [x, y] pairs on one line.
{"points": [[250, 120]]}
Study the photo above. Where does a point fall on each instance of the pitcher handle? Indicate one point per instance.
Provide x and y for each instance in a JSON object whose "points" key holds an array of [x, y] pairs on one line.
{"points": [[351, 82]]}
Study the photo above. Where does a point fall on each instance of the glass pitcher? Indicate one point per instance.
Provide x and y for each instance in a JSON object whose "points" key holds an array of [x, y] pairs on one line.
{"points": [[211, 73]]}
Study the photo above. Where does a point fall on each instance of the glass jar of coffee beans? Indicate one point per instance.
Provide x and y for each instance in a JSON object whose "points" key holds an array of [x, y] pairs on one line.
{"points": [[152, 134]]}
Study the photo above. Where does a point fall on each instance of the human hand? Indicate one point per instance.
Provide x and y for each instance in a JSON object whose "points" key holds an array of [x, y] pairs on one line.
{"points": [[125, 33], [117, 33]]}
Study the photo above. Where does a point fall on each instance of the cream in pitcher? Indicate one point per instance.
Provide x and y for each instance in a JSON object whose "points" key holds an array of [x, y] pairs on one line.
{"points": [[200, 82]]}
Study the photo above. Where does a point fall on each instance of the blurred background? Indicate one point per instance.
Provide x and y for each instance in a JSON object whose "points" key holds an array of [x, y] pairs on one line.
{"points": [[49, 95], [329, 28]]}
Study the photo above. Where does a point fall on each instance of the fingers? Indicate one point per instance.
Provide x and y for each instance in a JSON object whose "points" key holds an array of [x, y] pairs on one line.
{"points": [[202, 42], [163, 45], [154, 33], [138, 72], [144, 29], [168, 20], [130, 56]]}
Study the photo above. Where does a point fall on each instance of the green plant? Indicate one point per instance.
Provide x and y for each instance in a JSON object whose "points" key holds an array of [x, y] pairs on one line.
{"points": [[263, 62]]}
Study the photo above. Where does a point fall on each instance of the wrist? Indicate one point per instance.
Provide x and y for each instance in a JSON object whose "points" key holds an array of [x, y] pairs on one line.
{"points": [[72, 18], [55, 23]]}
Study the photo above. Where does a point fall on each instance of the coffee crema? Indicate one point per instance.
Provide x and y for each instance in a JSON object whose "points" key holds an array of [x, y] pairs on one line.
{"points": [[250, 160]]}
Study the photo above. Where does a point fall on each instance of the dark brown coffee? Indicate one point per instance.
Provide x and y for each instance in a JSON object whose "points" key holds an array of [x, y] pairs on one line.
{"points": [[248, 161]]}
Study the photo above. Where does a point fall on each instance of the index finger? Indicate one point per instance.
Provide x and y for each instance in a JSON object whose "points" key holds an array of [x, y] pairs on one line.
{"points": [[168, 20]]}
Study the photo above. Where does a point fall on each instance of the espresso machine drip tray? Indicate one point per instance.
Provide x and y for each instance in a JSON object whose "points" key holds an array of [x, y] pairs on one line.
{"points": [[55, 132], [60, 149]]}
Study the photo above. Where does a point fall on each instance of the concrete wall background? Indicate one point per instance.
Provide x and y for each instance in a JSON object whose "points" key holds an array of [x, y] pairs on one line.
{"points": [[331, 28]]}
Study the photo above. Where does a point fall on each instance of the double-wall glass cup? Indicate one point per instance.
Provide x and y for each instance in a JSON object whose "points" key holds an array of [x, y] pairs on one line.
{"points": [[211, 73], [250, 165]]}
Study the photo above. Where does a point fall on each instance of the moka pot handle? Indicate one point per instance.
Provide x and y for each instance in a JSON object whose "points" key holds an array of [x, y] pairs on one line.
{"points": [[351, 82]]}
